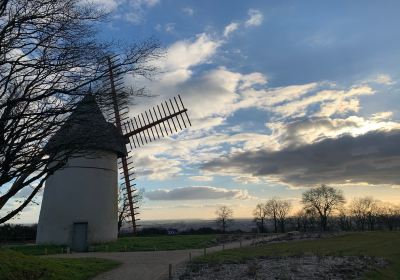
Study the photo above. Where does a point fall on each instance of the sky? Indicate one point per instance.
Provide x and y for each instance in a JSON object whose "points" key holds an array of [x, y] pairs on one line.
{"points": [[282, 95]]}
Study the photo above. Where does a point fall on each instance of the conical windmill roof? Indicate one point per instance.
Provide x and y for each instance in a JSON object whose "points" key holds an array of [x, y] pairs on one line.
{"points": [[87, 129]]}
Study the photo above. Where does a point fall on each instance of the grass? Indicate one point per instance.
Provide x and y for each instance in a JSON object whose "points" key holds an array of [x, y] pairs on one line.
{"points": [[379, 244], [15, 265], [159, 243], [137, 243], [37, 250]]}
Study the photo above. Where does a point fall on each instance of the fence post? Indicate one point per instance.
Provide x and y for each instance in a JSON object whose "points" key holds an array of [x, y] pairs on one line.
{"points": [[205, 252], [190, 256]]}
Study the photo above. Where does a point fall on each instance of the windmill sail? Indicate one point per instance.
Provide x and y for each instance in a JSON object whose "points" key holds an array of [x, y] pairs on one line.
{"points": [[160, 121]]}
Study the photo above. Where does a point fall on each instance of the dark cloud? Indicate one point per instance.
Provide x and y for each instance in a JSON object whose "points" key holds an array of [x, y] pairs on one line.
{"points": [[196, 193], [373, 158]]}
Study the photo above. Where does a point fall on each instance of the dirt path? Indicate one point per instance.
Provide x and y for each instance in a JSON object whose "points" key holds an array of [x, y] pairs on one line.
{"points": [[148, 265]]}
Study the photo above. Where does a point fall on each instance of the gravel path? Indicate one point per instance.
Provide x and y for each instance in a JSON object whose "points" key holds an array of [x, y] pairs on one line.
{"points": [[280, 268], [149, 265]]}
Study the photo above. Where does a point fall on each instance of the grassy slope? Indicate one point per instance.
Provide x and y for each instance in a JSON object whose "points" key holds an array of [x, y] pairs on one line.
{"points": [[139, 243], [14, 265], [380, 244]]}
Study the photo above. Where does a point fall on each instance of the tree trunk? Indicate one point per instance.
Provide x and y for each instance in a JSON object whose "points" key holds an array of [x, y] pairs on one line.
{"points": [[324, 220], [262, 225]]}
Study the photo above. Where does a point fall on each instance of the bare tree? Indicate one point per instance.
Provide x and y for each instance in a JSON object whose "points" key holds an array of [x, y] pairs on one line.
{"points": [[49, 58], [324, 200], [260, 214], [224, 217], [306, 219], [390, 214], [283, 209], [365, 211], [271, 209], [123, 205]]}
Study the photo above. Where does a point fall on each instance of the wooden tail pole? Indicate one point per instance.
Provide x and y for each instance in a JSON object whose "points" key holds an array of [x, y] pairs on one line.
{"points": [[123, 159]]}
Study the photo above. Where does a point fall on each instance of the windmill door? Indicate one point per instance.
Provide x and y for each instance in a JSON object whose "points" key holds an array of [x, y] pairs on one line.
{"points": [[79, 237]]}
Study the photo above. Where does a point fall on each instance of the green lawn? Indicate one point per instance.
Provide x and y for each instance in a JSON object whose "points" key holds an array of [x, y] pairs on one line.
{"points": [[137, 243], [159, 243], [380, 244], [15, 265]]}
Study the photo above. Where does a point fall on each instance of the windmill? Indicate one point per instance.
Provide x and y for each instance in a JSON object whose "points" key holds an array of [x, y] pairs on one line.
{"points": [[79, 203]]}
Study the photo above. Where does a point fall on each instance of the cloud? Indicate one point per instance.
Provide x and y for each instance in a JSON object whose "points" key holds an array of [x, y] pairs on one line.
{"points": [[197, 193], [255, 18], [132, 11], [185, 54], [201, 178], [314, 129], [230, 28], [373, 158], [384, 79], [330, 101], [156, 168], [188, 11], [107, 5], [169, 27]]}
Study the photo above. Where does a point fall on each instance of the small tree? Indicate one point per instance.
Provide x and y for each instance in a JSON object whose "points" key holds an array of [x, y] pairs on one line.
{"points": [[271, 208], [283, 209], [324, 200], [224, 217], [260, 214]]}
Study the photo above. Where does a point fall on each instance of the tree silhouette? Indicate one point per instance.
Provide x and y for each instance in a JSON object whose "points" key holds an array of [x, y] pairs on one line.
{"points": [[50, 56], [224, 217], [324, 200], [284, 207], [271, 208], [260, 214]]}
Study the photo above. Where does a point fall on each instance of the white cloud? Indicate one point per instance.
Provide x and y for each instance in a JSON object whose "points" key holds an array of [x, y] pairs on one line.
{"points": [[384, 79], [132, 11], [197, 193], [138, 4], [255, 18], [156, 168], [230, 28], [185, 54], [169, 27], [108, 5], [201, 178], [188, 11], [331, 102]]}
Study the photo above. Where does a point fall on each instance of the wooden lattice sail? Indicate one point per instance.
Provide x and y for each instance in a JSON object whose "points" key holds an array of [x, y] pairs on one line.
{"points": [[159, 121]]}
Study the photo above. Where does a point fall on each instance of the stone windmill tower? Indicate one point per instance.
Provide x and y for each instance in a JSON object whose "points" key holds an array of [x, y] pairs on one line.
{"points": [[80, 201]]}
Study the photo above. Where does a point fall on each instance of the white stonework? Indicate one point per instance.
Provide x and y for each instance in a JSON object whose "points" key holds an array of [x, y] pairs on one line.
{"points": [[84, 191]]}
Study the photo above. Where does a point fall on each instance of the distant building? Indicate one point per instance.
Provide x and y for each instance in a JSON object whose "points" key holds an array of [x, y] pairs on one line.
{"points": [[172, 231]]}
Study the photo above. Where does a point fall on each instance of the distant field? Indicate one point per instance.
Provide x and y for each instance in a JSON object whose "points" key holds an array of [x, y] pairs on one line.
{"points": [[16, 266], [138, 243], [379, 244]]}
